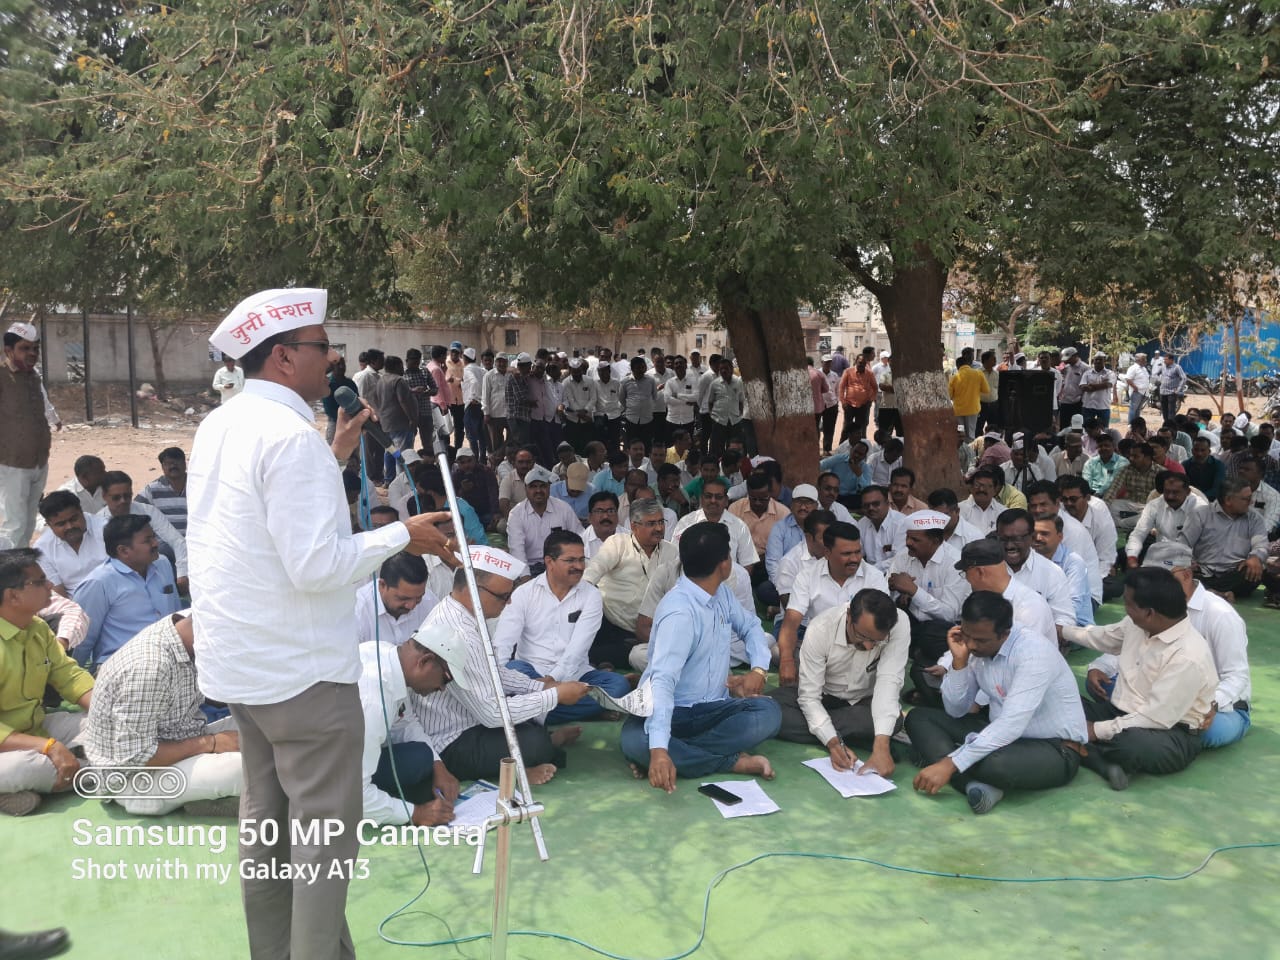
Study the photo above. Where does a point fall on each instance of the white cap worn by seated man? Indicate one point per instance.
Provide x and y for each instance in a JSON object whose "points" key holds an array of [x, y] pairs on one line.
{"points": [[25, 331], [447, 645], [805, 491], [539, 474], [265, 314], [927, 520]]}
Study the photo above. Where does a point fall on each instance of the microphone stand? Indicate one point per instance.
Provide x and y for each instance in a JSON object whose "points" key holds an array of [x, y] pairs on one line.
{"points": [[511, 808]]}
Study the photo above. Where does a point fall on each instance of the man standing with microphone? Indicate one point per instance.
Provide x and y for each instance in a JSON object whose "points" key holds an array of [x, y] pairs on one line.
{"points": [[274, 571]]}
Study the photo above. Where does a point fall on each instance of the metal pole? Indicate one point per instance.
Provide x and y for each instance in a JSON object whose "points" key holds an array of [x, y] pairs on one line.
{"points": [[133, 371], [495, 678], [88, 390], [502, 869]]}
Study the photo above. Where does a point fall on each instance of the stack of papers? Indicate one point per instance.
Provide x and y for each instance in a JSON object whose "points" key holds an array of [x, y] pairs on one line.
{"points": [[851, 783], [755, 802], [638, 703]]}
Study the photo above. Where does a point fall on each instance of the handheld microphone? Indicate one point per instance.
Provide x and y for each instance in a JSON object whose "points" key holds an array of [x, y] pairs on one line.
{"points": [[348, 401]]}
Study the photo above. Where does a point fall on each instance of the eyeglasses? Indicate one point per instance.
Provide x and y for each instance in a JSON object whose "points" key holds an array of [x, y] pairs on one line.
{"points": [[859, 639], [43, 582], [504, 597], [650, 523], [604, 511], [322, 345]]}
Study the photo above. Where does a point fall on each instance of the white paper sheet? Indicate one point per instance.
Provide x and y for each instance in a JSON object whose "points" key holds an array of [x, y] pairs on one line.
{"points": [[850, 783], [755, 802], [475, 810], [638, 703]]}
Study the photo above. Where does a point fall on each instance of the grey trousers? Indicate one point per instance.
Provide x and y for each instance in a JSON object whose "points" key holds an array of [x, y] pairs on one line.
{"points": [[31, 770], [301, 765]]}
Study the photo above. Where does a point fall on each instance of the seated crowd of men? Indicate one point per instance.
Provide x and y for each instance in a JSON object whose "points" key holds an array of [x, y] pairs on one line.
{"points": [[651, 548]]}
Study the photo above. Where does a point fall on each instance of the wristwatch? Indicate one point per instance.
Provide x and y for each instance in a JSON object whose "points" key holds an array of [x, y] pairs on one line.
{"points": [[760, 670]]}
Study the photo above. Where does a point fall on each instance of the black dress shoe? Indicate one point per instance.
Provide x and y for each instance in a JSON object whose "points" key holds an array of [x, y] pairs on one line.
{"points": [[33, 946]]}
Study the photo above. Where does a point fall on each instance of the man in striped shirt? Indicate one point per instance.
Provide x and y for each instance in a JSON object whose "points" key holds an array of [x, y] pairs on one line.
{"points": [[463, 721], [168, 493]]}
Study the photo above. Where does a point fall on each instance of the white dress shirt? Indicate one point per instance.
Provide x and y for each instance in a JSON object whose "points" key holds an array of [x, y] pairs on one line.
{"points": [[1047, 579], [373, 622], [1076, 539], [984, 521], [395, 724], [228, 378], [473, 375], [447, 714], [831, 666], [273, 585], [1102, 530], [62, 565], [493, 397], [682, 398], [816, 590], [1164, 678], [1224, 631], [609, 399], [741, 547], [527, 529], [1163, 519], [965, 532], [553, 635], [941, 589], [879, 547], [793, 561]]}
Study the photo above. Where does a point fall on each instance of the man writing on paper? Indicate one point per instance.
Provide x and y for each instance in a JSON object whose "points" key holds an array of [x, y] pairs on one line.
{"points": [[852, 666], [700, 724], [1034, 738], [290, 681]]}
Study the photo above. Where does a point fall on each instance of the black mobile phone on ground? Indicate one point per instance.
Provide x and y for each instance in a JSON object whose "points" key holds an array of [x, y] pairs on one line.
{"points": [[719, 793]]}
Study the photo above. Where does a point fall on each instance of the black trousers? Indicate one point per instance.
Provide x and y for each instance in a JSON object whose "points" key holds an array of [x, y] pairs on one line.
{"points": [[852, 721], [478, 752], [612, 645], [1233, 581], [1025, 764], [1139, 749], [580, 434], [928, 643], [855, 423], [827, 427], [890, 421]]}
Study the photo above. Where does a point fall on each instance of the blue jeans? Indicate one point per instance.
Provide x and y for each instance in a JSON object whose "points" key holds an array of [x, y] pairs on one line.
{"points": [[1104, 416], [415, 764], [473, 422], [1227, 727], [614, 684], [707, 737], [401, 438], [1136, 402]]}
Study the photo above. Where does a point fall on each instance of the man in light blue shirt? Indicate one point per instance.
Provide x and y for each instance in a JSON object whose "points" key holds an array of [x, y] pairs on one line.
{"points": [[852, 469], [132, 589], [1048, 543], [703, 721], [1037, 728]]}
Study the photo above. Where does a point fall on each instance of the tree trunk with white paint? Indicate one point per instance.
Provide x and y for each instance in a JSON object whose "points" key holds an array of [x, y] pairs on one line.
{"points": [[911, 305], [768, 343]]}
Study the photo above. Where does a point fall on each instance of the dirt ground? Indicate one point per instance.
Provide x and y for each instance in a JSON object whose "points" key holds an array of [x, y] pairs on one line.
{"points": [[111, 436]]}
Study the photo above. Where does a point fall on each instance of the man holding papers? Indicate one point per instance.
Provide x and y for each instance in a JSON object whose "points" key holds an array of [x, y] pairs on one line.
{"points": [[700, 724], [1035, 737], [852, 665]]}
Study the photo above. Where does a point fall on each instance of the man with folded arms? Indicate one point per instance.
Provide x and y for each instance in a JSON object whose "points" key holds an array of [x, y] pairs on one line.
{"points": [[852, 666], [701, 724], [147, 713], [1164, 692], [1033, 738]]}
